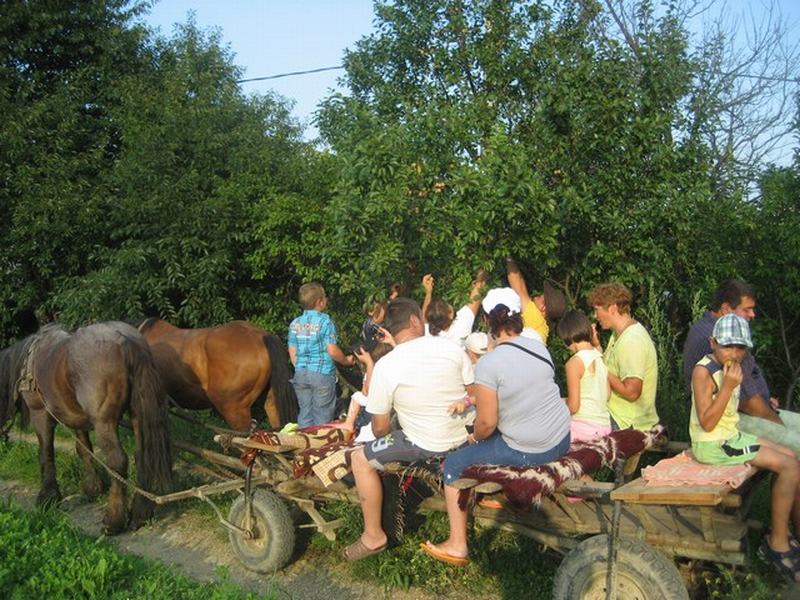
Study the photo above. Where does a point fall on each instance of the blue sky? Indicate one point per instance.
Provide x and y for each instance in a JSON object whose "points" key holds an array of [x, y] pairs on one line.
{"points": [[270, 37]]}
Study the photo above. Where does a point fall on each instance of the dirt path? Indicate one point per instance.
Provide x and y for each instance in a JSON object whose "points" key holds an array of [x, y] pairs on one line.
{"points": [[196, 546]]}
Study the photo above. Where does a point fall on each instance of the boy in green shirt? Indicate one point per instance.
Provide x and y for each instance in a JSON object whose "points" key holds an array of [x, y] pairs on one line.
{"points": [[630, 359]]}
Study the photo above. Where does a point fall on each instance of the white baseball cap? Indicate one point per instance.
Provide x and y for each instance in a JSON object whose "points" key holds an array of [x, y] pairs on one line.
{"points": [[477, 342], [505, 296]]}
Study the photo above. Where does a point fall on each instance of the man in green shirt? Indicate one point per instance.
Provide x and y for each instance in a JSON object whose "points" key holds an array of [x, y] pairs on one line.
{"points": [[630, 358]]}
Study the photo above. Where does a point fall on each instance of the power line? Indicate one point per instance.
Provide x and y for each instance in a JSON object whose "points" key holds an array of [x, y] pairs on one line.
{"points": [[290, 74], [320, 70]]}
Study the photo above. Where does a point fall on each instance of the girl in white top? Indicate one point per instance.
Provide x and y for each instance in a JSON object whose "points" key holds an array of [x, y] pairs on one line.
{"points": [[588, 389]]}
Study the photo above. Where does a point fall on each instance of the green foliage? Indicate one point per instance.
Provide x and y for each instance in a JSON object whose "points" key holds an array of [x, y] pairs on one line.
{"points": [[775, 253], [673, 400], [477, 130], [135, 166], [60, 562]]}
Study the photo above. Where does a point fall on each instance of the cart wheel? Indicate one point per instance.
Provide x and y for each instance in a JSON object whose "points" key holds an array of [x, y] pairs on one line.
{"points": [[273, 533], [642, 572]]}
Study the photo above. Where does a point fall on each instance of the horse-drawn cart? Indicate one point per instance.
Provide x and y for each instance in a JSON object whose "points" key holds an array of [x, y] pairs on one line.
{"points": [[621, 536]]}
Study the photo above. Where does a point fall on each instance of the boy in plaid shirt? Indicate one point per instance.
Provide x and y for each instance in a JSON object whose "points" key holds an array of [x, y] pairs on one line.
{"points": [[313, 349]]}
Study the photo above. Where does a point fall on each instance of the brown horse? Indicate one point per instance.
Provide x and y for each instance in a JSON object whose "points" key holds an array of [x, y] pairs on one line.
{"points": [[86, 380], [228, 368]]}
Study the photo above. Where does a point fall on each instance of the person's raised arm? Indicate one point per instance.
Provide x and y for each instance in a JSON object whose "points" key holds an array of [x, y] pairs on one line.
{"points": [[475, 292], [365, 358], [427, 283], [516, 281]]}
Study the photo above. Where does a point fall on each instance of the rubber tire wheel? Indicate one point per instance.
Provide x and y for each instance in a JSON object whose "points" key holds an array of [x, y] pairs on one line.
{"points": [[273, 529], [642, 572]]}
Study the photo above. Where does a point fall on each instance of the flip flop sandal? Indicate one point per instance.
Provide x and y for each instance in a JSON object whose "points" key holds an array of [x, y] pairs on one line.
{"points": [[786, 563], [491, 503], [433, 551], [357, 551]]}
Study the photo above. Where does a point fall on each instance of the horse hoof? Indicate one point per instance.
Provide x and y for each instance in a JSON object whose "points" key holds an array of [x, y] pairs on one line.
{"points": [[93, 490], [47, 498], [141, 512], [113, 529]]}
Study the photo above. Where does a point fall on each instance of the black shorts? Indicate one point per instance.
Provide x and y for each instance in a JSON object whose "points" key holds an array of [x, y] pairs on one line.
{"points": [[395, 447]]}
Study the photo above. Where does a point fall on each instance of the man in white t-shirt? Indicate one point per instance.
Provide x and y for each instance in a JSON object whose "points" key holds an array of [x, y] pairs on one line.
{"points": [[419, 379]]}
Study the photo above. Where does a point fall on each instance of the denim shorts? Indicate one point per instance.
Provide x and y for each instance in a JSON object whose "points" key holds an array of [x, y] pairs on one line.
{"points": [[495, 451]]}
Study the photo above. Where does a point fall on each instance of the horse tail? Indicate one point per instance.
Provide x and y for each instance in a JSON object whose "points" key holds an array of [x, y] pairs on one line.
{"points": [[149, 408], [12, 364], [282, 388]]}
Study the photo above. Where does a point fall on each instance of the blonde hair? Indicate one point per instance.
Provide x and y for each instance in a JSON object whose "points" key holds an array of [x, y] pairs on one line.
{"points": [[309, 294], [607, 294]]}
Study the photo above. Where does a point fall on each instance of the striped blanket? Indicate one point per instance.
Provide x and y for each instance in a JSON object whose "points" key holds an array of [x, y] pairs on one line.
{"points": [[526, 486]]}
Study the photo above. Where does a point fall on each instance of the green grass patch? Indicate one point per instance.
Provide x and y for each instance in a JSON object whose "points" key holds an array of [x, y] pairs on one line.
{"points": [[43, 555], [502, 563], [19, 461]]}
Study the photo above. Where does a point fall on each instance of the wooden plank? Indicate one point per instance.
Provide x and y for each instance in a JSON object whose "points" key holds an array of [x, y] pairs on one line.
{"points": [[586, 489], [464, 483], [211, 456], [241, 442], [488, 487], [638, 492]]}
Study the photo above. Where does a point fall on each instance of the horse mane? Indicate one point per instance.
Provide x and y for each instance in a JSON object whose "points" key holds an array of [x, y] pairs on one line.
{"points": [[143, 326]]}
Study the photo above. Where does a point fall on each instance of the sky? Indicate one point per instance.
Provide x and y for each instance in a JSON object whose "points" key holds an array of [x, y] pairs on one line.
{"points": [[270, 37]]}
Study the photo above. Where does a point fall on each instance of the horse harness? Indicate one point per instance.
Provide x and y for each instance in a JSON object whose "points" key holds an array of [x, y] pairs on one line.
{"points": [[27, 383]]}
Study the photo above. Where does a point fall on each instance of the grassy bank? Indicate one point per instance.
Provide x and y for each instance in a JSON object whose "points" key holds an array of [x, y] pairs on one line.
{"points": [[42, 555]]}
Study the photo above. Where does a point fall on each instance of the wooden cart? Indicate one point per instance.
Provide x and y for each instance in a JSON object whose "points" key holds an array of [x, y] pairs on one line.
{"points": [[620, 539]]}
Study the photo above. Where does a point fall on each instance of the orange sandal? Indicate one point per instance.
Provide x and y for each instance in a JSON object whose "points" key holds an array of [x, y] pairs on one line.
{"points": [[433, 551]]}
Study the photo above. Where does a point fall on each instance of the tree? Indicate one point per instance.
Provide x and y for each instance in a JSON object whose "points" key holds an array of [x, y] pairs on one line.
{"points": [[775, 252], [478, 129], [135, 169], [195, 157], [56, 71]]}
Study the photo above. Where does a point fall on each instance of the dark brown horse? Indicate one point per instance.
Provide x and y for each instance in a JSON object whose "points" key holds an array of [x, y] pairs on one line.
{"points": [[87, 380], [229, 368]]}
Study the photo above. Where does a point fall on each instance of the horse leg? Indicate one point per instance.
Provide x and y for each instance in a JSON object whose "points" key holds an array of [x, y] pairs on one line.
{"points": [[237, 416], [92, 484], [45, 427], [271, 408], [116, 517]]}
